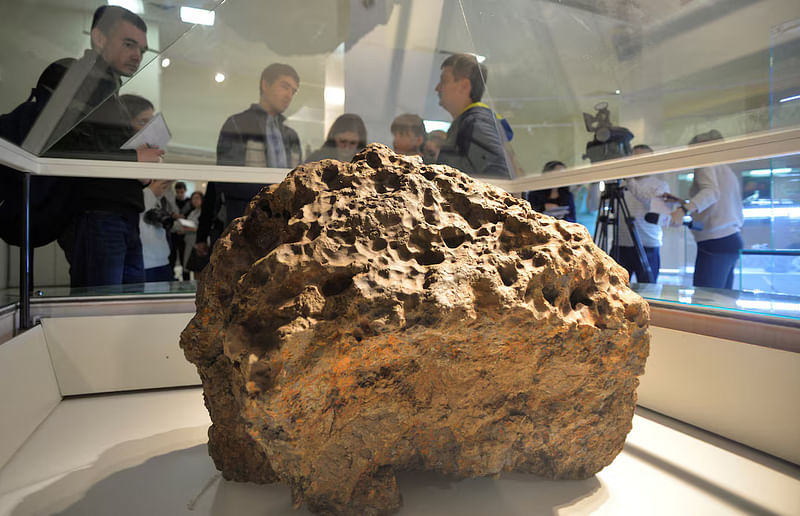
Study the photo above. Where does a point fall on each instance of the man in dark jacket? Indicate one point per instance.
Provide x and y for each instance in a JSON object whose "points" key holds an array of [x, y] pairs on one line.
{"points": [[256, 137], [474, 143], [106, 249]]}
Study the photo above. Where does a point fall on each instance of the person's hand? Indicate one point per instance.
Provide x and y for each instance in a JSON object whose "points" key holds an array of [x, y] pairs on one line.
{"points": [[676, 218], [201, 248], [148, 154]]}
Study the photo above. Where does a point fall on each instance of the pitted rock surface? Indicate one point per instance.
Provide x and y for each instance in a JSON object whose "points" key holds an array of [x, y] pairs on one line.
{"points": [[382, 315]]}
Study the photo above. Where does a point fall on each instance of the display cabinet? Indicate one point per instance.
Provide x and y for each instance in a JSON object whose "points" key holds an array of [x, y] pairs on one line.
{"points": [[717, 428]]}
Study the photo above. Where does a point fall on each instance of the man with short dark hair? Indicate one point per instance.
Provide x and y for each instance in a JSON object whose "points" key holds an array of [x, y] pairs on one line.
{"points": [[409, 134], [256, 137], [106, 247], [474, 144]]}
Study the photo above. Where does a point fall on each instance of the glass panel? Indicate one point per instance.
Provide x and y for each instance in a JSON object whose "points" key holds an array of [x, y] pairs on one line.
{"points": [[49, 33], [761, 197], [784, 75], [736, 301], [655, 64], [666, 71]]}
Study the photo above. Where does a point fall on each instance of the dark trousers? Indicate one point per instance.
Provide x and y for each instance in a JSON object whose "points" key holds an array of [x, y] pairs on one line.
{"points": [[161, 273], [177, 246], [716, 260], [106, 250], [629, 259]]}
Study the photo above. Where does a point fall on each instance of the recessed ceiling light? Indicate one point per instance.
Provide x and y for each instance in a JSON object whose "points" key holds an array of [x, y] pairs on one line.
{"points": [[334, 95], [219, 77], [165, 62], [197, 16]]}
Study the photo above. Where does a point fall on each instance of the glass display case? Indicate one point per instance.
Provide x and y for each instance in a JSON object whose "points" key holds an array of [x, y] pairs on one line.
{"points": [[665, 71], [576, 81]]}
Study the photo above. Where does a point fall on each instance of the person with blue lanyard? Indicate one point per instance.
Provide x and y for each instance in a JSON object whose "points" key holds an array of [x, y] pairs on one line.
{"points": [[474, 142]]}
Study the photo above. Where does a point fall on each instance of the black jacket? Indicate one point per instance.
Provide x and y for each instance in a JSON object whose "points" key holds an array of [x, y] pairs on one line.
{"points": [[52, 199], [474, 144], [103, 125], [250, 126], [240, 131], [538, 199]]}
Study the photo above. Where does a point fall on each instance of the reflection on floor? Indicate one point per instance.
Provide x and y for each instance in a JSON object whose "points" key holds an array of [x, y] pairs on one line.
{"points": [[144, 453]]}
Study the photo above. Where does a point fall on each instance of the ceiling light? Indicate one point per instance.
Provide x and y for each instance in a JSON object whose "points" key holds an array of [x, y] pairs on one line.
{"points": [[219, 77], [165, 62], [135, 6], [769, 171], [197, 16], [787, 99], [617, 92], [334, 95]]}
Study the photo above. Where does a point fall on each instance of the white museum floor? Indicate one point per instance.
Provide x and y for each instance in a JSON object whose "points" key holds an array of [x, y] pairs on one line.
{"points": [[144, 454]]}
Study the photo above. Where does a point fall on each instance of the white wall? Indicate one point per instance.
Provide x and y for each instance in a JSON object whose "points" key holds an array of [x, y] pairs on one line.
{"points": [[50, 267]]}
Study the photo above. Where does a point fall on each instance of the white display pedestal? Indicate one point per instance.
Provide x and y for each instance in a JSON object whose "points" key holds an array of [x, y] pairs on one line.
{"points": [[145, 454]]}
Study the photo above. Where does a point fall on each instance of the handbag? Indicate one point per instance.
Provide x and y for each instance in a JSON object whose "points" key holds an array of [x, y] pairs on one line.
{"points": [[195, 262]]}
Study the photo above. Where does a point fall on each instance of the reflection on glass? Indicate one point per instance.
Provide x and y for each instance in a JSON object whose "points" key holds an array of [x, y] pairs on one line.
{"points": [[784, 79]]}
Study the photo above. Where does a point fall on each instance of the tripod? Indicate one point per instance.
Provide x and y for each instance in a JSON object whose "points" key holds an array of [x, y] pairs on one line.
{"points": [[611, 210]]}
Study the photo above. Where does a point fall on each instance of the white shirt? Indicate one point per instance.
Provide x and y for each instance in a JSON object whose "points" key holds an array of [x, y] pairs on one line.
{"points": [[716, 202], [639, 191]]}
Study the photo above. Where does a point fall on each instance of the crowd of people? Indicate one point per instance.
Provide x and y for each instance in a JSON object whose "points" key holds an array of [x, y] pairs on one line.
{"points": [[116, 231]]}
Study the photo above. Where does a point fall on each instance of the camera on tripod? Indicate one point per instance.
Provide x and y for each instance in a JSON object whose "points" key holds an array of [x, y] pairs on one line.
{"points": [[609, 142]]}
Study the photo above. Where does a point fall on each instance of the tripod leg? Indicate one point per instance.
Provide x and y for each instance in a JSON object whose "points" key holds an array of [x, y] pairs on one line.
{"points": [[644, 264]]}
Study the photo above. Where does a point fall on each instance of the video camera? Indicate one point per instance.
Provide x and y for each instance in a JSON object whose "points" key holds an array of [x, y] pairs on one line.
{"points": [[159, 217], [609, 142]]}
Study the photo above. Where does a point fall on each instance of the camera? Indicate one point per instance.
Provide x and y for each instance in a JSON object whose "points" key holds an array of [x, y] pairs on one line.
{"points": [[609, 142], [159, 217]]}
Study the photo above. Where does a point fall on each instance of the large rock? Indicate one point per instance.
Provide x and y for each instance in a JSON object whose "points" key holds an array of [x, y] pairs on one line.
{"points": [[382, 315]]}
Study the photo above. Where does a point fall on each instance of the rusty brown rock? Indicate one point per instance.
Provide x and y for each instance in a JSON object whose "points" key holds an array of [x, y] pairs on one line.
{"points": [[382, 315]]}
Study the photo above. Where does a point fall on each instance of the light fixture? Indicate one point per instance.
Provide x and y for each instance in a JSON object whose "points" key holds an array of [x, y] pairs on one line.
{"points": [[436, 125], [165, 62], [334, 95], [135, 6], [768, 171], [219, 77], [617, 92], [787, 99], [197, 16]]}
